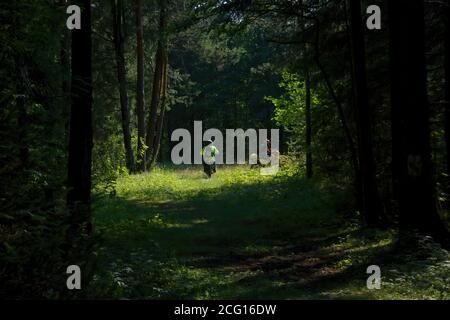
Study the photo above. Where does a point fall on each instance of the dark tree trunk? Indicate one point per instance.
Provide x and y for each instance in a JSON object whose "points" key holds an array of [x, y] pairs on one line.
{"points": [[447, 81], [156, 95], [159, 125], [371, 201], [80, 141], [118, 36], [308, 137], [308, 129], [412, 165], [140, 87], [348, 135], [340, 109], [159, 90], [22, 124], [66, 43], [22, 98]]}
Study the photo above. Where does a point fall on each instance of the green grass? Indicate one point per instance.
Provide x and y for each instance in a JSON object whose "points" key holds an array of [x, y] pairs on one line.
{"points": [[171, 234]]}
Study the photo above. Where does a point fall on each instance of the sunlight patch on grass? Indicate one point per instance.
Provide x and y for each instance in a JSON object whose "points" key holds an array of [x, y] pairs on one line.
{"points": [[171, 234]]}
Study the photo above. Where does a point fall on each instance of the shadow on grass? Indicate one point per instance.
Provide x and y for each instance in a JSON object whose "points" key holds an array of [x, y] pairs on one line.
{"points": [[235, 216], [275, 239]]}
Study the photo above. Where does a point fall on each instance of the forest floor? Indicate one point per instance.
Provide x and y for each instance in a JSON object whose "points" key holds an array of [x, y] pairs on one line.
{"points": [[171, 234]]}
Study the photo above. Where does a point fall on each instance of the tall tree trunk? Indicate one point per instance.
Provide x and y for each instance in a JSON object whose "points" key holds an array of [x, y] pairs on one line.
{"points": [[347, 132], [308, 133], [412, 165], [308, 137], [140, 87], [118, 37], [447, 80], [371, 201], [159, 125], [340, 109], [65, 71], [80, 141], [156, 95], [357, 181], [22, 124], [21, 105], [159, 88]]}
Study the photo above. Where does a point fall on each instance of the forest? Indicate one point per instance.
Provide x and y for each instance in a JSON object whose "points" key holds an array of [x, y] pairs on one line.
{"points": [[95, 97]]}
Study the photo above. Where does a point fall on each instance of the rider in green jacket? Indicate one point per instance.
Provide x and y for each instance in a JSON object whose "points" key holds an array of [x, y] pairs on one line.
{"points": [[209, 153]]}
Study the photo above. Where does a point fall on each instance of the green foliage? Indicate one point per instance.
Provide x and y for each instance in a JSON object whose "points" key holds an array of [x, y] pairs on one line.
{"points": [[227, 76], [108, 165], [33, 116], [35, 250], [290, 107], [290, 114]]}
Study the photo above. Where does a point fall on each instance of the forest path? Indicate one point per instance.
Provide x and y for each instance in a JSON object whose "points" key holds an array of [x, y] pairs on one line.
{"points": [[171, 234]]}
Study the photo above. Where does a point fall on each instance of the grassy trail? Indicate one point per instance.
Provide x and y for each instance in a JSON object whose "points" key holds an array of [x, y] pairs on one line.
{"points": [[171, 234]]}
